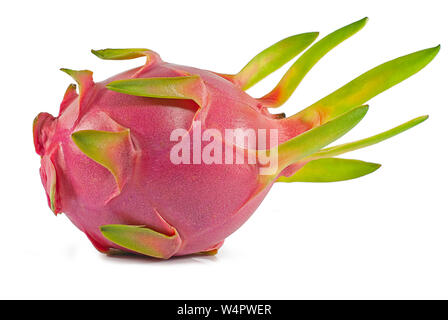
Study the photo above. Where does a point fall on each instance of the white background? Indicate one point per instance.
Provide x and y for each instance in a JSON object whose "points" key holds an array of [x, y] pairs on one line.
{"points": [[381, 236]]}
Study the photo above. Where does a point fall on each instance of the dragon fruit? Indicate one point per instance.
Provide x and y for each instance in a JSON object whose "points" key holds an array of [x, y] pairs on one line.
{"points": [[107, 158]]}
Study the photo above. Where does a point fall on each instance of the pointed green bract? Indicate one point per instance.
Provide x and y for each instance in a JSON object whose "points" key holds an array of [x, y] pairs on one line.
{"points": [[84, 78], [285, 88], [315, 139], [112, 150], [331, 170], [143, 240], [190, 87], [121, 54], [272, 59], [367, 86], [351, 146]]}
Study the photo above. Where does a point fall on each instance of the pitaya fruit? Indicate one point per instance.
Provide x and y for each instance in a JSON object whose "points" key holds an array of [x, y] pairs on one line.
{"points": [[107, 159]]}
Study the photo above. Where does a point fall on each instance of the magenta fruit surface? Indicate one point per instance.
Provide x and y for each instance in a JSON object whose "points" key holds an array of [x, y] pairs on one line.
{"points": [[106, 159]]}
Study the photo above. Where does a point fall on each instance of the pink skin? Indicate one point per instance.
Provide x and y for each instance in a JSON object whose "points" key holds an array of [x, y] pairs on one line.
{"points": [[205, 203]]}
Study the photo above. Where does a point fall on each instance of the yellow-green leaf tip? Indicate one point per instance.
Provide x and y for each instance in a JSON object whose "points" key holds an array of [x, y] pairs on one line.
{"points": [[364, 20], [112, 150], [422, 118], [67, 71], [332, 170], [142, 240], [120, 54], [187, 87], [432, 52]]}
